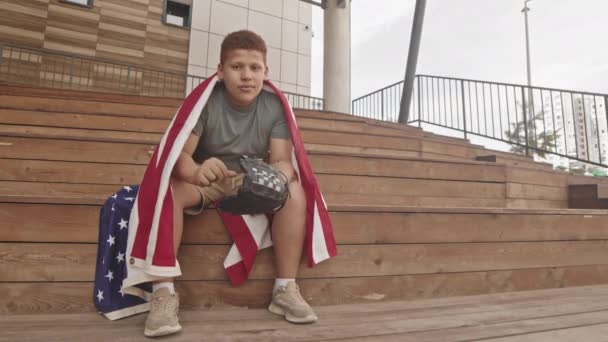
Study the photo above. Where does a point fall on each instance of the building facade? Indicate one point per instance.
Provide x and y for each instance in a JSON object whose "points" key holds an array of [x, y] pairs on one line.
{"points": [[581, 123], [173, 37]]}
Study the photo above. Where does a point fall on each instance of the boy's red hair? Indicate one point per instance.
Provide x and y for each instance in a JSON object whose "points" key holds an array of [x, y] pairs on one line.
{"points": [[243, 39]]}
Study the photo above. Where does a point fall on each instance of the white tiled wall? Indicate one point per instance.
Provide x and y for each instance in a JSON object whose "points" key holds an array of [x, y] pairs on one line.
{"points": [[285, 25]]}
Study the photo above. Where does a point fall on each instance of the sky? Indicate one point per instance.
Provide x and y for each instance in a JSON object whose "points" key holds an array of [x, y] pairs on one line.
{"points": [[476, 39]]}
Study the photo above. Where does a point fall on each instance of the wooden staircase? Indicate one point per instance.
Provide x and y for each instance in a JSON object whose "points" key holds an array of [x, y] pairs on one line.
{"points": [[416, 215]]}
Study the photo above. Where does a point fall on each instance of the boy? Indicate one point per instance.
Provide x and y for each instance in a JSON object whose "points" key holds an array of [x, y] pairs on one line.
{"points": [[238, 119]]}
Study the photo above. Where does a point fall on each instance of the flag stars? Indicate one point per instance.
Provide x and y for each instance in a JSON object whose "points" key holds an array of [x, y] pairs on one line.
{"points": [[114, 196], [110, 276], [99, 296], [121, 292], [111, 240], [120, 257], [128, 188], [130, 199], [122, 223]]}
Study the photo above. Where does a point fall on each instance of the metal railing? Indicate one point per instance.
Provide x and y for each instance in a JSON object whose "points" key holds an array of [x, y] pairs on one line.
{"points": [[556, 124], [52, 69]]}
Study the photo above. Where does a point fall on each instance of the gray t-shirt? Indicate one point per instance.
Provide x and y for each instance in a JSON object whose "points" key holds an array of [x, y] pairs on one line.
{"points": [[228, 132]]}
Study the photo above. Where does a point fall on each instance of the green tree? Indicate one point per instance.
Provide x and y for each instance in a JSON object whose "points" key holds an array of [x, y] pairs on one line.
{"points": [[539, 140]]}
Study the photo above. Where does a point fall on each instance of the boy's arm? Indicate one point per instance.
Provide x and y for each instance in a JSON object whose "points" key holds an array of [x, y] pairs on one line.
{"points": [[280, 157], [189, 171], [185, 167]]}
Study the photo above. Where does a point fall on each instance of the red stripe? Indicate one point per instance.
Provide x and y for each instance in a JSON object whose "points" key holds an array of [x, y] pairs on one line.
{"points": [[237, 273], [164, 254], [310, 185], [241, 235], [150, 184]]}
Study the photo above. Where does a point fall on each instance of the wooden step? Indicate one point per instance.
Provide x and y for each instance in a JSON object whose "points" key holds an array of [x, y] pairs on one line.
{"points": [[17, 90], [82, 121], [21, 262], [429, 237], [75, 297], [323, 163], [337, 189], [352, 224], [85, 107], [559, 315], [70, 150], [512, 159], [133, 124]]}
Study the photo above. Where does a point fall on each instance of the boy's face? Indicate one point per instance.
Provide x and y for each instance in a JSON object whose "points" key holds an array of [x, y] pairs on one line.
{"points": [[243, 73]]}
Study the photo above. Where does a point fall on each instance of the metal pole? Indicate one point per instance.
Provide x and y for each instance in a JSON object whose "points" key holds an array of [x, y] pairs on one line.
{"points": [[412, 60], [525, 10]]}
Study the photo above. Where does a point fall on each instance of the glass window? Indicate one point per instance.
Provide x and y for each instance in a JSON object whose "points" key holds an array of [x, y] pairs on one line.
{"points": [[177, 13]]}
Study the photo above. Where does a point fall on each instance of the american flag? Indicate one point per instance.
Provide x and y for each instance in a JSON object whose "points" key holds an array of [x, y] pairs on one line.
{"points": [[111, 268]]}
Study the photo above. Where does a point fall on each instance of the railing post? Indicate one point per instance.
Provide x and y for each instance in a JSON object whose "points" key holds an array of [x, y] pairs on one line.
{"points": [[523, 101], [464, 113], [382, 104], [419, 102]]}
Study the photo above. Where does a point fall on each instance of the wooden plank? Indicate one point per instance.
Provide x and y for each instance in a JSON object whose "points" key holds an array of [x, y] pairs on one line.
{"points": [[171, 104], [362, 151], [70, 172], [536, 192], [408, 168], [349, 139], [371, 199], [531, 176], [346, 184], [110, 173], [76, 262], [79, 134], [360, 189], [69, 150], [85, 107], [38, 192], [449, 149], [594, 331], [84, 121], [350, 126], [523, 327], [79, 223], [535, 204], [65, 297]]}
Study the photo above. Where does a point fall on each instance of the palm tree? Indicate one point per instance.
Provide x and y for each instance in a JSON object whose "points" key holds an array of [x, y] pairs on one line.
{"points": [[538, 141]]}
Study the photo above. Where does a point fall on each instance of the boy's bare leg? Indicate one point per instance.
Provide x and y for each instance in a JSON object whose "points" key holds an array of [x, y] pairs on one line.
{"points": [[288, 232]]}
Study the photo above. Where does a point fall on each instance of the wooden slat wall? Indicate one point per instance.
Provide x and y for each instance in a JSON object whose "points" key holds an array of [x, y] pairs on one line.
{"points": [[125, 31]]}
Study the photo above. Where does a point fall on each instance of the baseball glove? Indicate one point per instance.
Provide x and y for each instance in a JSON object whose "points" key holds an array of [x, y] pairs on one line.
{"points": [[264, 189]]}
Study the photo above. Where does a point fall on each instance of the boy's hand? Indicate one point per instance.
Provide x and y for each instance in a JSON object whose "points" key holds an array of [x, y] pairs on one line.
{"points": [[212, 170]]}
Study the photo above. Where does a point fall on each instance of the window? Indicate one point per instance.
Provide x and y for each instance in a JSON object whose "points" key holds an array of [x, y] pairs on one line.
{"points": [[177, 13], [86, 3]]}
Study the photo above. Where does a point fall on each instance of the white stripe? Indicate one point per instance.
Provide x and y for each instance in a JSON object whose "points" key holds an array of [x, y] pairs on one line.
{"points": [[126, 312], [258, 227], [319, 246], [180, 140]]}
